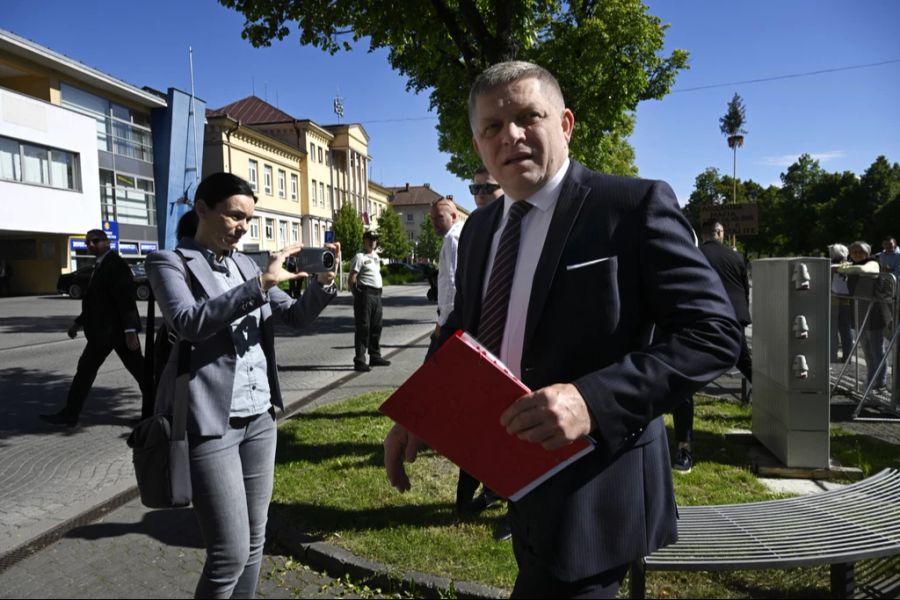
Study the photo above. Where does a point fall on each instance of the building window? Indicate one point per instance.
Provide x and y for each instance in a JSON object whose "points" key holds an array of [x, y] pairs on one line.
{"points": [[267, 178], [320, 154], [282, 183], [282, 232], [120, 130], [127, 198], [313, 192], [270, 229], [254, 229], [295, 185], [252, 176], [328, 157], [295, 232], [315, 240], [312, 152], [321, 194], [39, 165], [409, 217]]}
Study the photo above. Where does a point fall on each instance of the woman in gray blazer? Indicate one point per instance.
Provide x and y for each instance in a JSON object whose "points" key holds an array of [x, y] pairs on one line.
{"points": [[219, 301]]}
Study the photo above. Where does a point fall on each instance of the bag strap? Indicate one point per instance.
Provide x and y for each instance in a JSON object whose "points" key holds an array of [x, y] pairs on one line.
{"points": [[182, 378]]}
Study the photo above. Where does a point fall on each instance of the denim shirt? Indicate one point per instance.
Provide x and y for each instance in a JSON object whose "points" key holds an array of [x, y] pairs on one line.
{"points": [[250, 394]]}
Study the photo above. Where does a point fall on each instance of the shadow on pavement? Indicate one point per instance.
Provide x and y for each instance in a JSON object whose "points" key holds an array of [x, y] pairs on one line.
{"points": [[177, 527], [27, 393]]}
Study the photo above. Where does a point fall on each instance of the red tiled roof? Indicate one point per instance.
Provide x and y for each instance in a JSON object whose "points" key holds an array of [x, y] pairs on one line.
{"points": [[415, 195], [250, 110]]}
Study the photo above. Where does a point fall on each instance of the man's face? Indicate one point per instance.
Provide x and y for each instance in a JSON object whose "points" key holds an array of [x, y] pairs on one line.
{"points": [[522, 135], [889, 245], [370, 244], [96, 245], [222, 226], [857, 254], [487, 189], [719, 234], [443, 216]]}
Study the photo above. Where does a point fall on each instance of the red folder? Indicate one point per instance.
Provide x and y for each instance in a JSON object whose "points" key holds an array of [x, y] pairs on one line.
{"points": [[453, 403]]}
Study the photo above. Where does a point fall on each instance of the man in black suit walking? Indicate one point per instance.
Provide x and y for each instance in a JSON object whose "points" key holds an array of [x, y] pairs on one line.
{"points": [[110, 320], [732, 270], [567, 276]]}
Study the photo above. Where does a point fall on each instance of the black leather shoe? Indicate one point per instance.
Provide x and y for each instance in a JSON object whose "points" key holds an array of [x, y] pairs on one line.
{"points": [[358, 366], [486, 499], [379, 362], [60, 418]]}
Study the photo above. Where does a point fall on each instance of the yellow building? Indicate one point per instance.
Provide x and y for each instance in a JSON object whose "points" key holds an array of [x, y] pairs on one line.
{"points": [[327, 165], [379, 200]]}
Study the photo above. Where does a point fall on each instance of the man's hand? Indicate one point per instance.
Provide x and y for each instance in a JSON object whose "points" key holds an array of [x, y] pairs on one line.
{"points": [[132, 341], [553, 416], [73, 331], [399, 445]]}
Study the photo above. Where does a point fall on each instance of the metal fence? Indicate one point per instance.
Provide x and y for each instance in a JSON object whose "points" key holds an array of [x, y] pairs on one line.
{"points": [[865, 328]]}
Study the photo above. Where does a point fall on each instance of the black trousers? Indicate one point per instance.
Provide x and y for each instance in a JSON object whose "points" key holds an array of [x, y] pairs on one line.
{"points": [[367, 316], [745, 361], [536, 583], [93, 356]]}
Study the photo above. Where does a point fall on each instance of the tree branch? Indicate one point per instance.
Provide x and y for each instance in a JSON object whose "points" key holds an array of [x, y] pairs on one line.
{"points": [[445, 16]]}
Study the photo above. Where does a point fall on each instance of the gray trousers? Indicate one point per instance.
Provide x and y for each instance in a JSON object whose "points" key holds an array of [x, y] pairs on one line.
{"points": [[232, 480]]}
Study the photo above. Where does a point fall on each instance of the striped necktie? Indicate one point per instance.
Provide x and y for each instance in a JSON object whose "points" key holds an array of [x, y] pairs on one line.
{"points": [[496, 300]]}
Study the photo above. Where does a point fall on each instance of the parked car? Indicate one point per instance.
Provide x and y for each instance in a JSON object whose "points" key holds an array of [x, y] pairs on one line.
{"points": [[74, 284]]}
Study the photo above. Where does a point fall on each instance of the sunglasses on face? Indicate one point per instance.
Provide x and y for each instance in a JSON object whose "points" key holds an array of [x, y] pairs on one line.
{"points": [[477, 189], [94, 241]]}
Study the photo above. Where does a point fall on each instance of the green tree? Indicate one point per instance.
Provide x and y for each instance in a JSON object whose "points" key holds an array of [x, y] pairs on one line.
{"points": [[429, 241], [709, 190], [392, 236], [606, 55], [732, 125], [348, 229]]}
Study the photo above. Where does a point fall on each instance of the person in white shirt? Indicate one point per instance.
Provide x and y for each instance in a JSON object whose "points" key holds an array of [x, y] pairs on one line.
{"points": [[445, 219], [365, 283]]}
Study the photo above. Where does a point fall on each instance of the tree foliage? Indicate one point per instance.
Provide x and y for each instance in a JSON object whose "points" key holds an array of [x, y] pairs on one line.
{"points": [[813, 207], [606, 55], [392, 236], [348, 229], [732, 123], [429, 241]]}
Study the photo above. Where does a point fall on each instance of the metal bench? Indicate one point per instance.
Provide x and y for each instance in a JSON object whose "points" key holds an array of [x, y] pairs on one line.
{"points": [[837, 528]]}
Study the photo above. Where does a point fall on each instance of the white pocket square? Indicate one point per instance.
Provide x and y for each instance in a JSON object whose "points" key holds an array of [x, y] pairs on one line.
{"points": [[587, 264]]}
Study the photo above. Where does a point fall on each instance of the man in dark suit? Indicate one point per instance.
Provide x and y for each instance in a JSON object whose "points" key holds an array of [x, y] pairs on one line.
{"points": [[602, 262], [111, 321]]}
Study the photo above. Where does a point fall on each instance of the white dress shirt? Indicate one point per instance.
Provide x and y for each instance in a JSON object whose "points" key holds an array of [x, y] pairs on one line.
{"points": [[446, 283], [535, 225]]}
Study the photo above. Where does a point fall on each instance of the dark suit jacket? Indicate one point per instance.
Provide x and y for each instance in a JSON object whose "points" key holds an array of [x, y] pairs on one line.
{"points": [[590, 325], [732, 271], [108, 307]]}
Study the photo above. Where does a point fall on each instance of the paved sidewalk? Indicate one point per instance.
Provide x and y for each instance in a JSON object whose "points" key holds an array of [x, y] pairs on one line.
{"points": [[133, 552]]}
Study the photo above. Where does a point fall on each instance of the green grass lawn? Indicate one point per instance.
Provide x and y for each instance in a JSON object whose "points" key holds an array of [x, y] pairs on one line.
{"points": [[329, 478]]}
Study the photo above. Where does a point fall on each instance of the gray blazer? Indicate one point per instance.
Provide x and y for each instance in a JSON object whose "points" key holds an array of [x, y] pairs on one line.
{"points": [[186, 293]]}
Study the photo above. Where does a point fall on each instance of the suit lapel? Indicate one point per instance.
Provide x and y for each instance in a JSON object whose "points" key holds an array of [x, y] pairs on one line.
{"points": [[200, 269], [568, 206]]}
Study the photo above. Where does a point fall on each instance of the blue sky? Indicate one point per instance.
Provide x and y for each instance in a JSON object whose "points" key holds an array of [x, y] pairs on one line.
{"points": [[844, 118]]}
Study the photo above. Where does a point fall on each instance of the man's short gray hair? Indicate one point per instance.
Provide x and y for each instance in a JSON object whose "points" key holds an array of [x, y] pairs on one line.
{"points": [[507, 72]]}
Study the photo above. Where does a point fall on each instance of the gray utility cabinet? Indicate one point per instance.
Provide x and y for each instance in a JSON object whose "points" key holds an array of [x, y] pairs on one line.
{"points": [[791, 319]]}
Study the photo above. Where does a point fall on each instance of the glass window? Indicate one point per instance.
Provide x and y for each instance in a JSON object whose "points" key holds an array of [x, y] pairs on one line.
{"points": [[409, 218], [295, 232], [313, 192], [267, 173], [312, 152], [10, 160], [270, 229], [252, 176], [254, 229], [315, 240], [321, 194], [36, 164], [282, 176], [320, 154], [328, 158], [295, 184], [282, 232], [62, 169]]}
